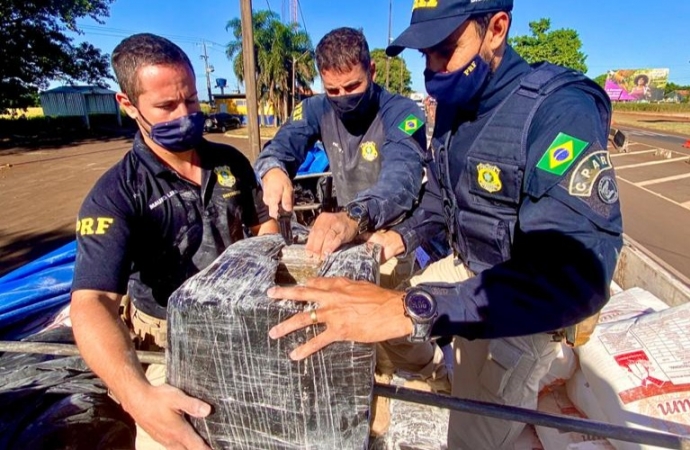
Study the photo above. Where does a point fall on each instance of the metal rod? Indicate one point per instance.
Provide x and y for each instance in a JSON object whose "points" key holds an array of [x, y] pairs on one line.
{"points": [[523, 415], [503, 412]]}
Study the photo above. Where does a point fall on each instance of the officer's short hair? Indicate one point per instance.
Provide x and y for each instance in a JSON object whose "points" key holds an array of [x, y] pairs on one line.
{"points": [[481, 21], [141, 50], [342, 49]]}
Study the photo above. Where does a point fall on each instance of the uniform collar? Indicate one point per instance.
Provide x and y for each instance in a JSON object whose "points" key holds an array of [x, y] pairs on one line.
{"points": [[507, 76], [144, 153]]}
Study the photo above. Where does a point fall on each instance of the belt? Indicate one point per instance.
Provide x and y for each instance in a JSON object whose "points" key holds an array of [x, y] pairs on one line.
{"points": [[149, 333]]}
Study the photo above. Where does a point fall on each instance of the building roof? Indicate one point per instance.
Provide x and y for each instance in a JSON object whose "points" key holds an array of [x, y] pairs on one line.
{"points": [[79, 90]]}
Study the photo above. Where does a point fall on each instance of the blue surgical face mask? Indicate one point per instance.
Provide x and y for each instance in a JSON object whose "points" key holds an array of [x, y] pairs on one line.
{"points": [[179, 135], [461, 87]]}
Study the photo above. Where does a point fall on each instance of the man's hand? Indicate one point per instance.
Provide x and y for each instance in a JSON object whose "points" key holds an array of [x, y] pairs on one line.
{"points": [[160, 411], [329, 232], [277, 191], [391, 242], [351, 310]]}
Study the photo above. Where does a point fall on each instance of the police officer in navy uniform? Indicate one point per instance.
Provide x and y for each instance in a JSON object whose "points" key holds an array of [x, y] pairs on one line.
{"points": [[523, 185], [159, 216], [375, 142]]}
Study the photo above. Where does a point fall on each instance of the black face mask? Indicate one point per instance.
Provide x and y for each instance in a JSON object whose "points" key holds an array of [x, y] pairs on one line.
{"points": [[353, 107]]}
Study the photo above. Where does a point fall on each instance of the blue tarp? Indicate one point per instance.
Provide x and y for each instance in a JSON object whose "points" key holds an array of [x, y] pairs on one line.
{"points": [[316, 161], [37, 287]]}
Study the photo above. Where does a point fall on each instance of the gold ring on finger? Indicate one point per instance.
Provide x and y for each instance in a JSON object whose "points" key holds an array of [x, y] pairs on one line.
{"points": [[312, 315]]}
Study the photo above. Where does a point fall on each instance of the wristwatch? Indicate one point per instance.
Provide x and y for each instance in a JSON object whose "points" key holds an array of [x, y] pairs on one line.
{"points": [[421, 308], [360, 214]]}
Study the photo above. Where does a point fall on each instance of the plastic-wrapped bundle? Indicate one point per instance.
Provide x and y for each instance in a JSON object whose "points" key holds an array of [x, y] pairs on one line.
{"points": [[219, 351]]}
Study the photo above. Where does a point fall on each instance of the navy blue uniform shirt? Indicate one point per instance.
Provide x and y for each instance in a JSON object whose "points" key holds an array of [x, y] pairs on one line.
{"points": [[145, 230], [377, 161], [563, 248]]}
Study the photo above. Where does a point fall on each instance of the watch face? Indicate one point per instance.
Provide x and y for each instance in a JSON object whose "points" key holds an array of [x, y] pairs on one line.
{"points": [[421, 305], [356, 212]]}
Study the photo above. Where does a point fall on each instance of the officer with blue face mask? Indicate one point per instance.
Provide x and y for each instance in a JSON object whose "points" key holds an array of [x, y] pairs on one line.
{"points": [[159, 216], [524, 188], [375, 142]]}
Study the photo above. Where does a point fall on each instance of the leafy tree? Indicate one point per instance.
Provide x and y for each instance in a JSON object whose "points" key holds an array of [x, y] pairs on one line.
{"points": [[558, 46], [277, 46], [671, 87], [601, 80], [378, 55], [36, 50]]}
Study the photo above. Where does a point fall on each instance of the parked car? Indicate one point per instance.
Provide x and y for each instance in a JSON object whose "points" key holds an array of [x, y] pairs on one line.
{"points": [[222, 122]]}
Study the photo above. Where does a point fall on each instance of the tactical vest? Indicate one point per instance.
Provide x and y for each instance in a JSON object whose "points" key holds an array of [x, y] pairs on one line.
{"points": [[482, 219], [355, 161]]}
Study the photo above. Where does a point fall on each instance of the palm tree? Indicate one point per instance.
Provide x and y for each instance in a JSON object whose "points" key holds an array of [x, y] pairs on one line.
{"points": [[277, 46]]}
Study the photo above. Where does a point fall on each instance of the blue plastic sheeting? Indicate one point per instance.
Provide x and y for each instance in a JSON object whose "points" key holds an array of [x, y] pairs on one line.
{"points": [[37, 287], [316, 161]]}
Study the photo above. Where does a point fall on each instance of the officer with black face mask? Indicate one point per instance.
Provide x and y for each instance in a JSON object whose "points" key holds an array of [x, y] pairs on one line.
{"points": [[375, 143]]}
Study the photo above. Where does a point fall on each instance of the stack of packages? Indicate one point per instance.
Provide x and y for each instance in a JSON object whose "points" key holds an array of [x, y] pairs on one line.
{"points": [[634, 372]]}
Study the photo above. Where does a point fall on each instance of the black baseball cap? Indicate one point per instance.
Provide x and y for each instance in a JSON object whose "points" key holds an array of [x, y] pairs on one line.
{"points": [[434, 20]]}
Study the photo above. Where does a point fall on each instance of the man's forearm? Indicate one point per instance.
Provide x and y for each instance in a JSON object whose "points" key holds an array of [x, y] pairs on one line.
{"points": [[105, 345]]}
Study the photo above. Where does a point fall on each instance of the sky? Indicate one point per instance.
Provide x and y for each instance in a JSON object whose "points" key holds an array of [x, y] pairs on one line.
{"points": [[615, 34]]}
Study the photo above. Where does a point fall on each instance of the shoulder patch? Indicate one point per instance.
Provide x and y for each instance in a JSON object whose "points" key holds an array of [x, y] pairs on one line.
{"points": [[586, 173], [411, 124], [561, 154]]}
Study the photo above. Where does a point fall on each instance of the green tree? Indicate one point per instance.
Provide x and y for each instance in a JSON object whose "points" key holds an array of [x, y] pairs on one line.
{"points": [[36, 50], [558, 46], [601, 80], [671, 87], [278, 47], [378, 55]]}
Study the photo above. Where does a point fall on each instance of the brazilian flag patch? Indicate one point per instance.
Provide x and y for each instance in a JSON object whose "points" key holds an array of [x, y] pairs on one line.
{"points": [[410, 125], [561, 154]]}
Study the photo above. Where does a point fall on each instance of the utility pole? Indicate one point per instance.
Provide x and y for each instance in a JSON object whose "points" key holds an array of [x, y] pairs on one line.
{"points": [[388, 58], [208, 70], [250, 77]]}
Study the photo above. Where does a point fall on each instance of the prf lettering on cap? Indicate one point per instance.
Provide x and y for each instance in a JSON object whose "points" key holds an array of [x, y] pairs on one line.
{"points": [[424, 4], [87, 225]]}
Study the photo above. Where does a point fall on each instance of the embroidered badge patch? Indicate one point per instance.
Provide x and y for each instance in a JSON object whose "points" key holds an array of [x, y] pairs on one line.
{"points": [[489, 177], [586, 173], [410, 125], [561, 154], [369, 152], [225, 177], [607, 190]]}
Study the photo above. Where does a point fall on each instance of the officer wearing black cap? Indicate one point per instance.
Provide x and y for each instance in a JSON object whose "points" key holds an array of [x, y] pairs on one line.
{"points": [[523, 186]]}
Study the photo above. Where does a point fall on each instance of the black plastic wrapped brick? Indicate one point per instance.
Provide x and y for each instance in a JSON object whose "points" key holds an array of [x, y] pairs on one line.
{"points": [[219, 351]]}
